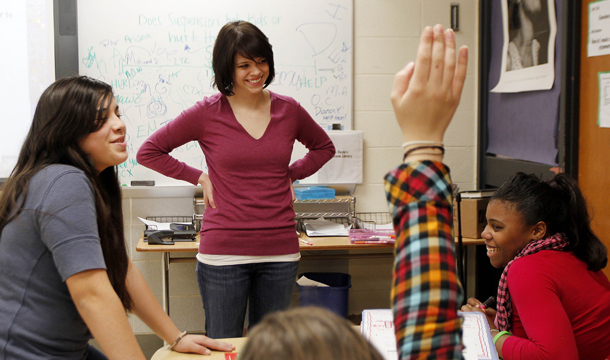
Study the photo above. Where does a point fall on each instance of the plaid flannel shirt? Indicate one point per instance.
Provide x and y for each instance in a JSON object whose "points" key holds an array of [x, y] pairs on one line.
{"points": [[426, 292]]}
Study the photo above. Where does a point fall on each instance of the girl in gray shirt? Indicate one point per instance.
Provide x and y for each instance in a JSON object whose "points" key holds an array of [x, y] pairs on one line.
{"points": [[64, 272]]}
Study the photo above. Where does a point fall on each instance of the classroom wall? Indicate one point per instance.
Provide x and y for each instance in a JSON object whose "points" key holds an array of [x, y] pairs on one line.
{"points": [[386, 35]]}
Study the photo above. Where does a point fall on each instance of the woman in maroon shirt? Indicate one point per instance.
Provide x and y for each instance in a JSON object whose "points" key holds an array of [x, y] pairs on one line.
{"points": [[249, 250]]}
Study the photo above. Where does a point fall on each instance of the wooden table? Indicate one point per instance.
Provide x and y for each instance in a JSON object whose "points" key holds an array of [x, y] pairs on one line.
{"points": [[314, 251], [166, 354]]}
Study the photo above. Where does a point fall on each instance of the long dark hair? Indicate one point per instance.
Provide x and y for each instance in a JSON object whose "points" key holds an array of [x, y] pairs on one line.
{"points": [[560, 204], [245, 39], [68, 110]]}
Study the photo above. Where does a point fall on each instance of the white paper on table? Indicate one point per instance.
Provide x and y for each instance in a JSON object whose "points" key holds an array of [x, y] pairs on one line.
{"points": [[153, 225], [599, 28], [378, 328], [323, 227], [604, 99], [476, 337]]}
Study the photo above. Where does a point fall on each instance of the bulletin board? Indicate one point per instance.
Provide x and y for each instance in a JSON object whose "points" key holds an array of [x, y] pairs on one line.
{"points": [[157, 55], [532, 131]]}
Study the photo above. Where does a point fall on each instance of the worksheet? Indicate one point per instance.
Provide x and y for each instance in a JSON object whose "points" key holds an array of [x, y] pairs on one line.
{"points": [[378, 328], [476, 337]]}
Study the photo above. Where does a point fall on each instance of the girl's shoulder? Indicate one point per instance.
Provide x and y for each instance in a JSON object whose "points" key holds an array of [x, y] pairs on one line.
{"points": [[547, 261], [59, 175], [57, 170], [208, 101], [283, 99]]}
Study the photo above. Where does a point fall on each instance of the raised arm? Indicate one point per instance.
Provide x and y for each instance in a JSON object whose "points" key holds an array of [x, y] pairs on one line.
{"points": [[426, 292]]}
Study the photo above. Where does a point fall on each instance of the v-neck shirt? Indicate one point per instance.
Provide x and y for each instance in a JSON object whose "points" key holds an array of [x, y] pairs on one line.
{"points": [[251, 177]]}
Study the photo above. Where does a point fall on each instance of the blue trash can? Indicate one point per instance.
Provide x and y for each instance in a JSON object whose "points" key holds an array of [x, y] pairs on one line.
{"points": [[334, 297]]}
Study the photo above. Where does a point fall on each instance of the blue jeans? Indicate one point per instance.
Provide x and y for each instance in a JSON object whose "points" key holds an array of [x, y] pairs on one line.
{"points": [[227, 290]]}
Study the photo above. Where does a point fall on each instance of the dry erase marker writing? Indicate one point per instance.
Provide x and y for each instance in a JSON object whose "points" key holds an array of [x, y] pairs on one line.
{"points": [[305, 242], [488, 302]]}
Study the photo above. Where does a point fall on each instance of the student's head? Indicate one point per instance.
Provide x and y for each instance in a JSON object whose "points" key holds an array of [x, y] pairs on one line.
{"points": [[526, 208], [306, 333], [244, 39], [76, 123]]}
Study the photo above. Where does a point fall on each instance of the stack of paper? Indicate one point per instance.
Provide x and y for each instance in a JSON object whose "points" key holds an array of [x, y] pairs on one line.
{"points": [[323, 227], [378, 328], [476, 337]]}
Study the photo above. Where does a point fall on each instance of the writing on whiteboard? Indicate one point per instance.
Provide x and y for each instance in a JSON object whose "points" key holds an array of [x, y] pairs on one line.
{"points": [[157, 56]]}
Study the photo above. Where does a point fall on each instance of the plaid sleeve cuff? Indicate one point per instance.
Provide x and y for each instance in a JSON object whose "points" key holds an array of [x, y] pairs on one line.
{"points": [[418, 181]]}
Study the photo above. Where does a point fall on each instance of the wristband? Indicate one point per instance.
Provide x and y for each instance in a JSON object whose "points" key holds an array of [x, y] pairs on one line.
{"points": [[177, 340], [500, 334], [408, 152], [421, 142]]}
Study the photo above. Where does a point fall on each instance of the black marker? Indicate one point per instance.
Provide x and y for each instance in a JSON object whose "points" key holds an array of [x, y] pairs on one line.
{"points": [[488, 302]]}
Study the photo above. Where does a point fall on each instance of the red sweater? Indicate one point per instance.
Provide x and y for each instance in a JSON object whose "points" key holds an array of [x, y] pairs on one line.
{"points": [[251, 177], [560, 309]]}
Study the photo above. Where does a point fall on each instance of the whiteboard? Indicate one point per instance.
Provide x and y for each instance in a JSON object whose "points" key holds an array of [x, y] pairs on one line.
{"points": [[157, 55], [26, 70]]}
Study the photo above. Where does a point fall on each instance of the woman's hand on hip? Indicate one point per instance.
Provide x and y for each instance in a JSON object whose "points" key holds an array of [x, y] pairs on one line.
{"points": [[208, 190]]}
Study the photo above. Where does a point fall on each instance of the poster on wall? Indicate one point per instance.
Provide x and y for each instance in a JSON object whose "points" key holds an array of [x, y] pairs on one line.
{"points": [[599, 28], [528, 64]]}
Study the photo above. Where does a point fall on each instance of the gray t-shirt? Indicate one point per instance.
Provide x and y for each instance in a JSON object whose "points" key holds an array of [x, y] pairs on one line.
{"points": [[53, 238]]}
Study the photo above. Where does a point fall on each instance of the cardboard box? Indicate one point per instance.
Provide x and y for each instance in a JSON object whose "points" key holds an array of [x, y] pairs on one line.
{"points": [[473, 217]]}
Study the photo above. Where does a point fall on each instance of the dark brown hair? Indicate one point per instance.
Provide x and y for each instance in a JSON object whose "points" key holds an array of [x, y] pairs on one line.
{"points": [[245, 39], [306, 333], [68, 110]]}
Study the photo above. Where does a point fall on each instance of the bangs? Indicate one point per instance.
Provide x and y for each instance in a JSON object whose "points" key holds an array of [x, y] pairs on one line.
{"points": [[103, 109]]}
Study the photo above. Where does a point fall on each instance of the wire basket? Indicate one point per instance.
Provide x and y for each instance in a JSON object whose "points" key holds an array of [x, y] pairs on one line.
{"points": [[171, 219], [339, 220], [370, 220]]}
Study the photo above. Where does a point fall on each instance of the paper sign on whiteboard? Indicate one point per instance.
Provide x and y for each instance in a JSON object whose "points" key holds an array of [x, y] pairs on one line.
{"points": [[599, 28]]}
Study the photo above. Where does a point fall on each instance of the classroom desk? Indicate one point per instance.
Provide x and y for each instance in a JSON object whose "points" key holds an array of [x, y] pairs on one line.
{"points": [[313, 252], [166, 354]]}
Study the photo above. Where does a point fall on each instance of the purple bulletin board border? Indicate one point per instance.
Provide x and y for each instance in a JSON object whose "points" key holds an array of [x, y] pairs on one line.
{"points": [[523, 126]]}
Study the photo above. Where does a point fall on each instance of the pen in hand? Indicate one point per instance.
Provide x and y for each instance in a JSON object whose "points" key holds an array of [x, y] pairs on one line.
{"points": [[488, 302]]}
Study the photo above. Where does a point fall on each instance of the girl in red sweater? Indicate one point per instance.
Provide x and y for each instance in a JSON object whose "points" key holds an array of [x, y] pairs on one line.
{"points": [[553, 298]]}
